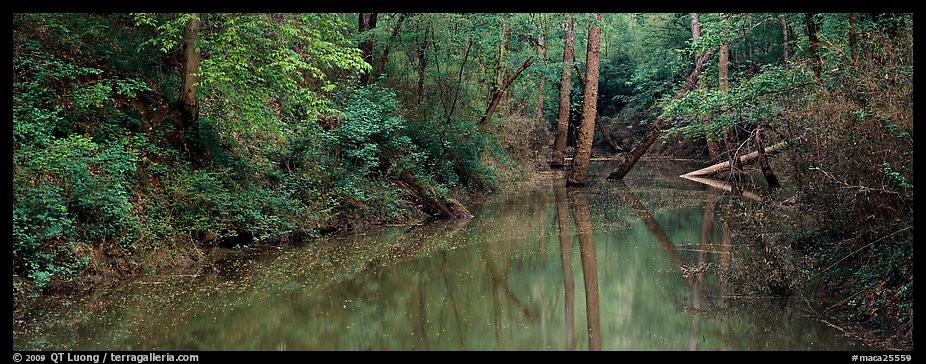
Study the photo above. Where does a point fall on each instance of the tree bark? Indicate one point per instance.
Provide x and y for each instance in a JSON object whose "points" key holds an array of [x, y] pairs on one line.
{"points": [[191, 58], [604, 132], [784, 43], [562, 125], [589, 109], [395, 33], [743, 159], [814, 46], [497, 96], [641, 146], [367, 21], [189, 88], [767, 171], [713, 150]]}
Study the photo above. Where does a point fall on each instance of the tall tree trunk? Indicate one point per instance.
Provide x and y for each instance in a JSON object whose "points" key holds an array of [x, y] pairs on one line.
{"points": [[497, 96], [395, 33], [770, 177], [729, 133], [367, 21], [713, 150], [641, 146], [589, 109], [814, 46], [565, 243], [853, 37], [542, 54], [456, 92], [189, 101], [604, 132], [589, 267], [562, 125], [422, 60], [784, 43], [191, 59]]}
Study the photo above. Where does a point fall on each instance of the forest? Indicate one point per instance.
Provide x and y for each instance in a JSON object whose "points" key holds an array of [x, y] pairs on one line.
{"points": [[144, 142]]}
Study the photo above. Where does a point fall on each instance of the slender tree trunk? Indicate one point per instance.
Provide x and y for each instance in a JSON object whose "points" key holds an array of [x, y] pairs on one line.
{"points": [[422, 61], [367, 21], [565, 244], [606, 136], [641, 146], [853, 37], [770, 177], [729, 133], [497, 97], [456, 93], [814, 46], [562, 126], [395, 33], [589, 267], [542, 54], [589, 109], [713, 150], [784, 43]]}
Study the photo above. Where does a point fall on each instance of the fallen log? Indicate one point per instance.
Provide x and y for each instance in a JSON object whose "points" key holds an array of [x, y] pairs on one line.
{"points": [[746, 158], [438, 204], [434, 202]]}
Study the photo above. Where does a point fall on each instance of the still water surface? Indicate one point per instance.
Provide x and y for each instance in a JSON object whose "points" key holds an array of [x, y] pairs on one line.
{"points": [[626, 265]]}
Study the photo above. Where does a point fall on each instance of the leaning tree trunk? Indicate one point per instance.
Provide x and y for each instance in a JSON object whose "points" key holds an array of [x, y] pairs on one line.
{"points": [[713, 150], [589, 109], [497, 96], [395, 33], [562, 126], [763, 161], [640, 147]]}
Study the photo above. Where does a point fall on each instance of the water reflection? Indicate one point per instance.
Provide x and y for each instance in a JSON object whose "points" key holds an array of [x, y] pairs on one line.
{"points": [[562, 218], [504, 280], [580, 213]]}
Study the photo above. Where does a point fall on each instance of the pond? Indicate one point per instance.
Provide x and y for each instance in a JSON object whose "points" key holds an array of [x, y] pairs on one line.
{"points": [[629, 265]]}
